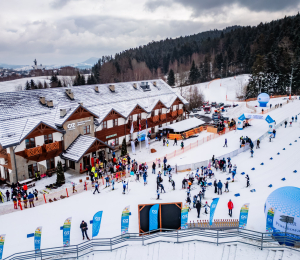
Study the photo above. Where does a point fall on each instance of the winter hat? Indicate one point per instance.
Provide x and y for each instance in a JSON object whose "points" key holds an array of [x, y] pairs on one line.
{"points": [[206, 202]]}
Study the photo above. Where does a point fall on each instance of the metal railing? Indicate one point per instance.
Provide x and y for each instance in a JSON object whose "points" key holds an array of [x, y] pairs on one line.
{"points": [[217, 237]]}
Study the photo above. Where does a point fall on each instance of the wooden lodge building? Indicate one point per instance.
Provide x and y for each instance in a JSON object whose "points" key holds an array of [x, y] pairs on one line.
{"points": [[40, 127]]}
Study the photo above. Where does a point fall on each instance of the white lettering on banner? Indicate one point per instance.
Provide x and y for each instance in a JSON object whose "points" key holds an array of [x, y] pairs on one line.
{"points": [[97, 218], [213, 206], [71, 126], [154, 211], [67, 232], [125, 220], [37, 241], [184, 216], [243, 217]]}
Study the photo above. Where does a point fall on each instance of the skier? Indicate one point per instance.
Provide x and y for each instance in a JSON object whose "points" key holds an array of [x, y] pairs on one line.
{"points": [[173, 184], [229, 167], [153, 168], [145, 178], [292, 119], [175, 141], [274, 133], [7, 195], [233, 174], [226, 186], [251, 151], [124, 186], [15, 202], [225, 143], [230, 207], [257, 144], [220, 186], [198, 207], [31, 198], [96, 187], [248, 180], [205, 207], [270, 137], [194, 201], [167, 143], [84, 228], [182, 145], [285, 123], [188, 200], [113, 184]]}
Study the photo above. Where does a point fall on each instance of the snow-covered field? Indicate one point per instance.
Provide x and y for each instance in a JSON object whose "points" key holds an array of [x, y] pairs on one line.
{"points": [[83, 206]]}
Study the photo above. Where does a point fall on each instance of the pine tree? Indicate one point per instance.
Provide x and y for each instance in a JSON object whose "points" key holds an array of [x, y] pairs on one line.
{"points": [[171, 78], [89, 80], [27, 86], [32, 84], [82, 80], [45, 84], [194, 74], [40, 85], [60, 175], [53, 81], [124, 148]]}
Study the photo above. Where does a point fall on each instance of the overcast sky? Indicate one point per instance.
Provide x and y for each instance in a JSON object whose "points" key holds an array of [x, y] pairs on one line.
{"points": [[69, 31]]}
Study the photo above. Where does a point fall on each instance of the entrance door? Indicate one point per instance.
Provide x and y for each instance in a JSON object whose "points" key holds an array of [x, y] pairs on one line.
{"points": [[32, 169], [6, 174], [86, 161]]}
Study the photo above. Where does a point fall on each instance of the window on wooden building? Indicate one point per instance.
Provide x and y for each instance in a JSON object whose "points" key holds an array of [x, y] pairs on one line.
{"points": [[72, 165], [48, 139], [104, 124], [50, 164], [30, 143], [115, 122], [86, 129]]}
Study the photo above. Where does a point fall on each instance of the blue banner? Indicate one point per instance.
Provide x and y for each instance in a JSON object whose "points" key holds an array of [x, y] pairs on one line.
{"points": [[244, 216], [66, 232], [96, 223], [153, 217], [125, 220], [270, 218], [184, 216], [37, 239], [213, 206], [269, 119], [2, 239]]}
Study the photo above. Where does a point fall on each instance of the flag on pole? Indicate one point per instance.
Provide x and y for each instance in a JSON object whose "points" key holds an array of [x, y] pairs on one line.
{"points": [[96, 223], [140, 127], [2, 239], [131, 130], [37, 239]]}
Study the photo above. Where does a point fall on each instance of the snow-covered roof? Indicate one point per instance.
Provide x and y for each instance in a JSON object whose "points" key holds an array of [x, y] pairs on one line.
{"points": [[19, 110], [184, 125], [79, 147]]}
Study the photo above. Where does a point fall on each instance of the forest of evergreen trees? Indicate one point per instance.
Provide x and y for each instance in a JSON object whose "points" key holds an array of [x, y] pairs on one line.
{"points": [[269, 52]]}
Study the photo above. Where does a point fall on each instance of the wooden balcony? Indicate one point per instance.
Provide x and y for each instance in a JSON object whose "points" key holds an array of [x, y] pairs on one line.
{"points": [[163, 117], [180, 112], [33, 151], [155, 119], [51, 147], [3, 153], [173, 113]]}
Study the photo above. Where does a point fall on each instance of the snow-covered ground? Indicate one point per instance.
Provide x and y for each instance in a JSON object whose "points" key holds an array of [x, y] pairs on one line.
{"points": [[83, 206]]}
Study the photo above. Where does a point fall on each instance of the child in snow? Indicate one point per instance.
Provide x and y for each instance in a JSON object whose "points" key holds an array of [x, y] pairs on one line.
{"points": [[113, 184], [226, 187], [167, 143], [73, 185], [229, 167], [124, 186], [270, 137], [173, 184], [206, 206], [233, 174], [182, 145]]}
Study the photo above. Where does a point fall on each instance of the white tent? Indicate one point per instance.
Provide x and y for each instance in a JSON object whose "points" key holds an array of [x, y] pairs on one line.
{"points": [[184, 125]]}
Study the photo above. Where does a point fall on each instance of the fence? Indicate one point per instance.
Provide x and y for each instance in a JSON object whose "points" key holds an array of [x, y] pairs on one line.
{"points": [[52, 197], [194, 166], [217, 237]]}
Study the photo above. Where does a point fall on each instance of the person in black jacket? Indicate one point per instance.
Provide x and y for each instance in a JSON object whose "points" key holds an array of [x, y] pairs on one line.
{"points": [[84, 228], [198, 207]]}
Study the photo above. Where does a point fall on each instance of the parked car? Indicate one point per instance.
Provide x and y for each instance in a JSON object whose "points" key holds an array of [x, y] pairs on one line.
{"points": [[213, 104]]}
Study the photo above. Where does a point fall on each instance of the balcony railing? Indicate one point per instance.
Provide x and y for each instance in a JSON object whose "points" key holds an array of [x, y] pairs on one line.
{"points": [[51, 147], [163, 117], [33, 151], [174, 113], [180, 112], [155, 119]]}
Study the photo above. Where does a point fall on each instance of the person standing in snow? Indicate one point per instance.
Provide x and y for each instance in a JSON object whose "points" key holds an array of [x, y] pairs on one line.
{"points": [[153, 168], [251, 151], [220, 186], [296, 118], [248, 180], [113, 184], [175, 141], [96, 187], [84, 228], [257, 144], [182, 145], [124, 186], [226, 187], [216, 186], [270, 137], [230, 207], [206, 206], [198, 207], [158, 193], [285, 123], [164, 142], [162, 188], [173, 184], [225, 143], [145, 178], [167, 143]]}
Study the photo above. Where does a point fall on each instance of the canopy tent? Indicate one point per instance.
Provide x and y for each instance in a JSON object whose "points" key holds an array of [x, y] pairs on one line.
{"points": [[184, 125]]}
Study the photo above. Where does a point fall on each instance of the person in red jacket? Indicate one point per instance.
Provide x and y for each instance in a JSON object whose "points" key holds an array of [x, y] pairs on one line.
{"points": [[230, 207], [25, 188]]}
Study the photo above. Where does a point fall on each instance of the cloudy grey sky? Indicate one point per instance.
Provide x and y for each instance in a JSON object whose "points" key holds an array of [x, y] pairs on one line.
{"points": [[69, 31]]}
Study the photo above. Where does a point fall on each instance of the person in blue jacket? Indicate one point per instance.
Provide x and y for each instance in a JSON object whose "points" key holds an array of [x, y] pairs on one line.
{"points": [[220, 186], [145, 177], [233, 174], [31, 198]]}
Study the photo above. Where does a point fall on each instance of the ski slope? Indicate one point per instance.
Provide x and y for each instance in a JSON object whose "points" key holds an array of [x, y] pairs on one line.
{"points": [[220, 90]]}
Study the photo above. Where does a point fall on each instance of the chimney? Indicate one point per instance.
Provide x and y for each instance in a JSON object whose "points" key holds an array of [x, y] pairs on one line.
{"points": [[154, 83], [43, 100], [97, 89], [50, 103], [134, 85], [69, 93], [112, 88], [80, 103], [63, 112]]}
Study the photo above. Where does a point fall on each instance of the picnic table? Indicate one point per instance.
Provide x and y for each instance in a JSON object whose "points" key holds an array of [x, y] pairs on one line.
{"points": [[29, 183]]}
